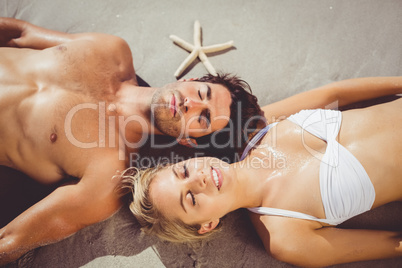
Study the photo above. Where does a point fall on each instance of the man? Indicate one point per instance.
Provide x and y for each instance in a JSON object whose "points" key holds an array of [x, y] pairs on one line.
{"points": [[70, 105]]}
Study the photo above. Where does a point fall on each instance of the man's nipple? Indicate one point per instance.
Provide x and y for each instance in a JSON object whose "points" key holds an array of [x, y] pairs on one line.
{"points": [[53, 137]]}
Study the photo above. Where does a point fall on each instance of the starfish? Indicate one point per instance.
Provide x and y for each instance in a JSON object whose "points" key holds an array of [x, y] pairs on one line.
{"points": [[197, 50]]}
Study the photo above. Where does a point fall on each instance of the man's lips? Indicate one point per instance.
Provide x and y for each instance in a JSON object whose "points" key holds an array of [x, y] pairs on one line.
{"points": [[173, 105]]}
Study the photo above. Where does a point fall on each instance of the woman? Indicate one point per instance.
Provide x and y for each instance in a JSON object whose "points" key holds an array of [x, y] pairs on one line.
{"points": [[299, 178]]}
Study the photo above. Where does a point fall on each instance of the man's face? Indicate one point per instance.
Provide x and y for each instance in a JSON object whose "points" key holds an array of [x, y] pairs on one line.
{"points": [[191, 109]]}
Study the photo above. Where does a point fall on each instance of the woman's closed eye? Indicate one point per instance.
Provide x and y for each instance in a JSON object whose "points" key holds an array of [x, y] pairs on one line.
{"points": [[192, 197]]}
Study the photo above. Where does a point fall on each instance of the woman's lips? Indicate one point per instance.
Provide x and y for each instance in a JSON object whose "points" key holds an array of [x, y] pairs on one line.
{"points": [[216, 177], [173, 106]]}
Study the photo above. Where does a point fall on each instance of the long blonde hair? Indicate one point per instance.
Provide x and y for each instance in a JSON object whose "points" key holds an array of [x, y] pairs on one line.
{"points": [[153, 222]]}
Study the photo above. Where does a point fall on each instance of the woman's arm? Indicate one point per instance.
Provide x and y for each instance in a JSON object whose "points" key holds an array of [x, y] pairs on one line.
{"points": [[334, 95], [330, 245], [307, 244]]}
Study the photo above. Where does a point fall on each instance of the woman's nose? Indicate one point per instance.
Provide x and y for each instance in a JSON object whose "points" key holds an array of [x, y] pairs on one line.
{"points": [[199, 179]]}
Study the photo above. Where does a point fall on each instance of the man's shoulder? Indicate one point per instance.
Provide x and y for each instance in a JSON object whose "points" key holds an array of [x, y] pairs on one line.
{"points": [[106, 41], [113, 49], [98, 162]]}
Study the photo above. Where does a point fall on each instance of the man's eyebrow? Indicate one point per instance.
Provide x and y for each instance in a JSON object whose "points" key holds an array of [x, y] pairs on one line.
{"points": [[208, 92], [181, 193]]}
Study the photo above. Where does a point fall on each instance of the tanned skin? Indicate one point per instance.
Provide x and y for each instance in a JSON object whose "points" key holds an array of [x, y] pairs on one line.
{"points": [[61, 97]]}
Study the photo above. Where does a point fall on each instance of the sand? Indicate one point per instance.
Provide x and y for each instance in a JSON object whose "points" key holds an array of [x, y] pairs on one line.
{"points": [[282, 47]]}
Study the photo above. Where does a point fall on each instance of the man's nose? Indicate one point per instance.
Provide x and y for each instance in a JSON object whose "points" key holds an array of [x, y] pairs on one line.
{"points": [[190, 103]]}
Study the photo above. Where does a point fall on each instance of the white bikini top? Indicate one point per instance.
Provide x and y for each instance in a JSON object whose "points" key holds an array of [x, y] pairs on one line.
{"points": [[346, 189]]}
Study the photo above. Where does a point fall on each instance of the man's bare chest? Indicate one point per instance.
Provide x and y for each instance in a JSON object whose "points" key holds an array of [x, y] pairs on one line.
{"points": [[59, 137]]}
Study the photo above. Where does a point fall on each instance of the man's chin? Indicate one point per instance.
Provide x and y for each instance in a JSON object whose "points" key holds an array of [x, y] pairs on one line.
{"points": [[166, 129]]}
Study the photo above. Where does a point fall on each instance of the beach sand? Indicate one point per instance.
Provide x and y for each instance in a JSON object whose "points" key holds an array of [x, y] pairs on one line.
{"points": [[282, 47]]}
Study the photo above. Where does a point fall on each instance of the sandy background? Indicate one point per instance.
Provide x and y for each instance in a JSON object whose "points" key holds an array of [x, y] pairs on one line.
{"points": [[282, 47]]}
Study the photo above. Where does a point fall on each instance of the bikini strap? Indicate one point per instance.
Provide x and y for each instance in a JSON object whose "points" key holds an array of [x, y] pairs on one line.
{"points": [[256, 139], [292, 214]]}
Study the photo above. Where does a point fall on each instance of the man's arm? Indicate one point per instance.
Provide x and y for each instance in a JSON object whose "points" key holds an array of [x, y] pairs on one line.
{"points": [[65, 211], [22, 34], [334, 95]]}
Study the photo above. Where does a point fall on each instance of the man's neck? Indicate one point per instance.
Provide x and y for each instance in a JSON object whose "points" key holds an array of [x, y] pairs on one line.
{"points": [[133, 103]]}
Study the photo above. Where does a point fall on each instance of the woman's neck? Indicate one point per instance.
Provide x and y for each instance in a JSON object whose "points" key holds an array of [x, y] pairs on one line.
{"points": [[252, 185]]}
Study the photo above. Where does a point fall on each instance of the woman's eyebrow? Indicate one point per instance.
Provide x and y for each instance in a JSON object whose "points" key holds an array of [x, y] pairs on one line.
{"points": [[181, 193], [175, 173], [181, 202]]}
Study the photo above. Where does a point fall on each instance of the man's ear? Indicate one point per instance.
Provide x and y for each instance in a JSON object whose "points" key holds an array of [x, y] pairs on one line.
{"points": [[187, 142], [209, 226]]}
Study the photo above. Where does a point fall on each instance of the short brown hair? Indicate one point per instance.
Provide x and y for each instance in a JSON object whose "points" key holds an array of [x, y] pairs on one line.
{"points": [[246, 116]]}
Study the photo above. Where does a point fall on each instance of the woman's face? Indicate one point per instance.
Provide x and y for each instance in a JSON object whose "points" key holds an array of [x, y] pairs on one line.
{"points": [[195, 191]]}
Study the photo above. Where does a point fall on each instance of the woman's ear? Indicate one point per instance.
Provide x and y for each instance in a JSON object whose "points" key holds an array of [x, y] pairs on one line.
{"points": [[209, 226]]}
